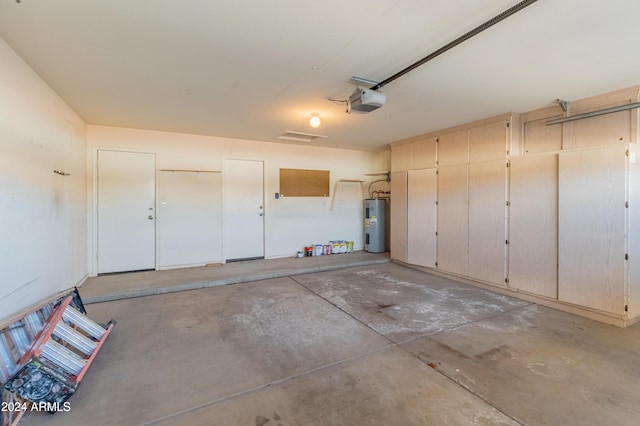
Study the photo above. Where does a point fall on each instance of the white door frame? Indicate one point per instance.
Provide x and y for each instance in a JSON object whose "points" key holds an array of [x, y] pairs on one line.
{"points": [[92, 256]]}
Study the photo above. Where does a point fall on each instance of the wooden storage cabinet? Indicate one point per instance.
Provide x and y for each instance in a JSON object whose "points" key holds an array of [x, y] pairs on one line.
{"points": [[489, 141], [453, 148], [421, 217], [591, 223], [398, 212], [533, 224], [453, 219], [633, 235], [560, 225], [609, 129], [423, 153], [487, 226], [401, 158], [538, 137]]}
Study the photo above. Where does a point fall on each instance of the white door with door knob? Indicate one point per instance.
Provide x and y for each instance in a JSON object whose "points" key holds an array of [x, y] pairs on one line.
{"points": [[126, 211], [243, 201]]}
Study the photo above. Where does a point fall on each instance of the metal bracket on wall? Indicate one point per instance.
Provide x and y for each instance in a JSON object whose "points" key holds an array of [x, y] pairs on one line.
{"points": [[564, 105], [335, 188]]}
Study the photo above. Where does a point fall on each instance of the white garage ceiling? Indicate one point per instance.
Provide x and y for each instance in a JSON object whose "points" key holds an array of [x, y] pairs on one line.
{"points": [[252, 69]]}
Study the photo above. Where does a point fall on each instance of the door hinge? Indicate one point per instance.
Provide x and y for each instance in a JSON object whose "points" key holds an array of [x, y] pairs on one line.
{"points": [[436, 203], [626, 153], [436, 263], [626, 204], [626, 256], [507, 203], [506, 280], [436, 234], [507, 124], [507, 164], [626, 308]]}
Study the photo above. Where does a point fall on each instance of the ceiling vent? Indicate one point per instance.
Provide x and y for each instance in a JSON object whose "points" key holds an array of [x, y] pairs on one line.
{"points": [[292, 136]]}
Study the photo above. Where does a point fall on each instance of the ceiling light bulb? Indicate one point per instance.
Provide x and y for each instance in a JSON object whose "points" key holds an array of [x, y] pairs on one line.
{"points": [[314, 121]]}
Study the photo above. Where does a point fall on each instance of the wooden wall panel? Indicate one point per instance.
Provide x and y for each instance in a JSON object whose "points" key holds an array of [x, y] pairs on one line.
{"points": [[421, 217], [453, 219], [620, 127], [401, 157], [538, 137], [487, 197], [533, 224], [423, 153], [591, 228], [398, 212], [488, 141], [606, 129], [453, 148]]}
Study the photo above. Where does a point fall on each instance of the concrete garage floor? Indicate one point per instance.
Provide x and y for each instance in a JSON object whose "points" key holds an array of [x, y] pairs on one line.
{"points": [[378, 345]]}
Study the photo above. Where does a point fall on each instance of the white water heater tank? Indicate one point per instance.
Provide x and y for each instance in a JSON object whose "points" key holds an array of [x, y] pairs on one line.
{"points": [[375, 225]]}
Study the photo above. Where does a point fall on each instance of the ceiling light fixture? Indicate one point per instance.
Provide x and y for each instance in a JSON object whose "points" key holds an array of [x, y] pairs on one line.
{"points": [[314, 121]]}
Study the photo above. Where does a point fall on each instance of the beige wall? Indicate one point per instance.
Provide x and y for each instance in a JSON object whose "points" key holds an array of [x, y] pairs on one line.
{"points": [[42, 214], [290, 223]]}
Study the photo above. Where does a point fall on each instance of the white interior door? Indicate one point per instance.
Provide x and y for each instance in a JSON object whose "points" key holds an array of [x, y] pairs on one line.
{"points": [[244, 212], [126, 211]]}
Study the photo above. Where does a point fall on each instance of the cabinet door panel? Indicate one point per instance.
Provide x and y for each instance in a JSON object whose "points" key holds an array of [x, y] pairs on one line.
{"points": [[634, 231], [591, 228], [421, 217], [423, 153], [538, 137], [401, 157], [606, 129], [533, 224], [398, 211], [488, 142], [453, 219], [453, 148], [487, 196]]}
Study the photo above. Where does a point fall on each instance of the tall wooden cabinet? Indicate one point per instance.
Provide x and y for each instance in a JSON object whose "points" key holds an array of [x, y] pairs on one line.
{"points": [[549, 213], [533, 224], [453, 224], [591, 224], [421, 217], [398, 213], [468, 174]]}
